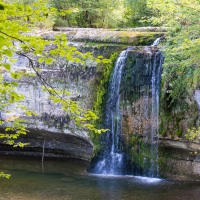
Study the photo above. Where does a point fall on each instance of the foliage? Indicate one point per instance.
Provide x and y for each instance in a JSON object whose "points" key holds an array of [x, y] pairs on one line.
{"points": [[105, 70], [90, 13], [16, 20], [3, 175], [137, 12], [181, 71], [101, 85], [193, 134], [29, 46], [32, 47]]}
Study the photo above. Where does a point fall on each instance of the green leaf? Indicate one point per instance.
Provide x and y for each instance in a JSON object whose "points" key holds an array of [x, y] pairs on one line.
{"points": [[48, 61], [15, 84], [41, 60], [15, 75], [3, 175], [7, 66], [7, 52]]}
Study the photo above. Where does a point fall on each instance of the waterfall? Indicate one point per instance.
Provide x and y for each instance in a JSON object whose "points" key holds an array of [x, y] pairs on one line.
{"points": [[156, 42], [197, 99], [154, 135], [142, 92], [114, 158], [112, 162]]}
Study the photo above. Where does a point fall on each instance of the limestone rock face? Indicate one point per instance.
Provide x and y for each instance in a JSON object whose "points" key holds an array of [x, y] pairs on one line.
{"points": [[179, 159], [46, 144], [52, 129], [134, 37], [52, 125]]}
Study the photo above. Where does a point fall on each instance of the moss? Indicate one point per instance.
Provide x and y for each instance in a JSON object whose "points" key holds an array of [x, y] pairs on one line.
{"points": [[140, 153], [138, 38], [124, 40], [130, 34], [101, 85], [179, 133], [164, 167], [123, 37], [100, 44], [179, 118]]}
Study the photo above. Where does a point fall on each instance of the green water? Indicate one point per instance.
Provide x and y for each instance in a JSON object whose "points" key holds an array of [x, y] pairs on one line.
{"points": [[68, 180]]}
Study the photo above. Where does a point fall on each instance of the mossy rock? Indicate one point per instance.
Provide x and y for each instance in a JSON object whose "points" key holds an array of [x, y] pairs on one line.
{"points": [[128, 37]]}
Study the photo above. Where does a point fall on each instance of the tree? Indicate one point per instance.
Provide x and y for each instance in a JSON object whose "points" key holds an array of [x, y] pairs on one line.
{"points": [[137, 13], [16, 21], [181, 70], [90, 13]]}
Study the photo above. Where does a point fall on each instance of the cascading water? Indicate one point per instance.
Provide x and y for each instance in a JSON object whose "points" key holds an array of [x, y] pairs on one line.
{"points": [[156, 42], [142, 82], [154, 135], [197, 98], [112, 162]]}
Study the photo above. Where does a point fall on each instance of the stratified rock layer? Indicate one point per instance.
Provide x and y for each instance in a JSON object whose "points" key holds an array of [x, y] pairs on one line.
{"points": [[134, 37], [42, 143]]}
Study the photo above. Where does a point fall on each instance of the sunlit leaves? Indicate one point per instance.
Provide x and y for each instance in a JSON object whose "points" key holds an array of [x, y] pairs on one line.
{"points": [[193, 134], [6, 66], [81, 117], [65, 12], [48, 61], [13, 131], [16, 20], [4, 175]]}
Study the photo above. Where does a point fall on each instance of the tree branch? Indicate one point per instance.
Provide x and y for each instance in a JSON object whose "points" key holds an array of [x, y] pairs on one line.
{"points": [[12, 37]]}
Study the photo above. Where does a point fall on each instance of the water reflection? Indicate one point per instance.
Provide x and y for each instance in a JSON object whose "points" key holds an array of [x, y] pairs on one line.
{"points": [[68, 180]]}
